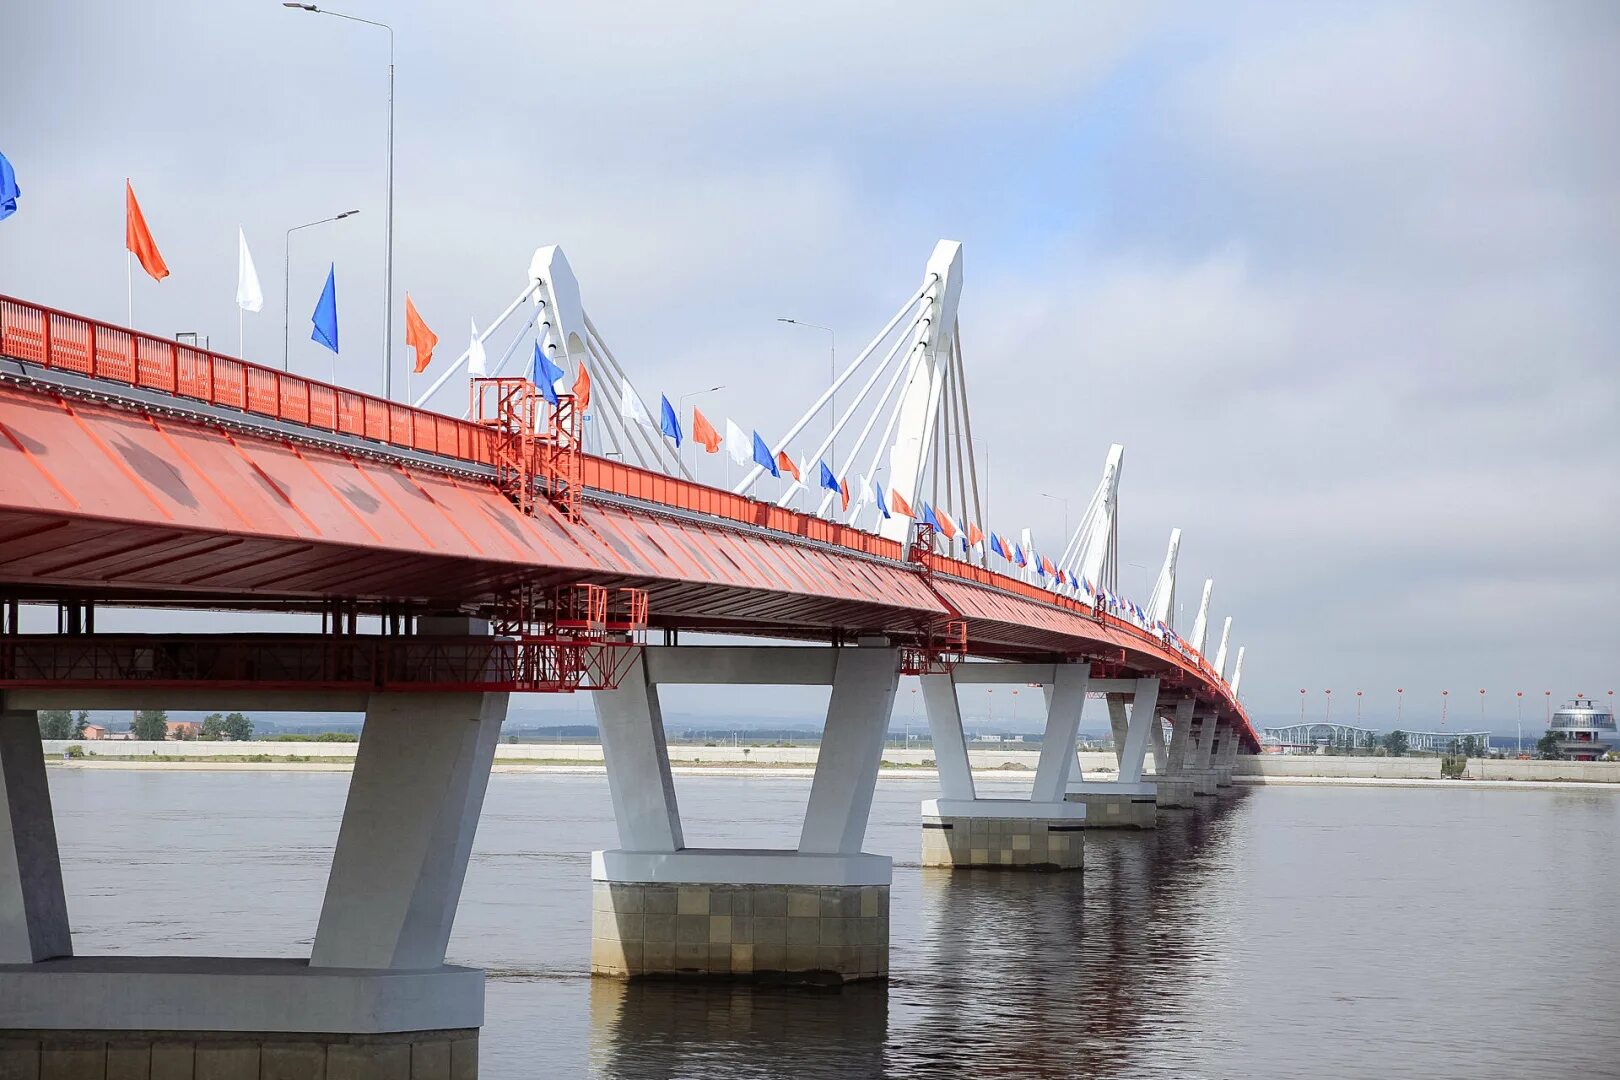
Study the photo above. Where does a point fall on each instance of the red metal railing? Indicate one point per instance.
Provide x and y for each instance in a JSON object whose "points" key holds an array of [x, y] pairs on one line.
{"points": [[63, 342], [59, 340]]}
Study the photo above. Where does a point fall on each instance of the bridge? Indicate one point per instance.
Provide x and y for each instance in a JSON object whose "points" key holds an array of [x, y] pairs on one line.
{"points": [[423, 566]]}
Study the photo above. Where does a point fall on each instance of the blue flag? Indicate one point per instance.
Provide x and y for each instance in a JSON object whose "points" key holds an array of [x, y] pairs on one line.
{"points": [[668, 422], [325, 317], [545, 374], [882, 505], [928, 516], [8, 189], [995, 545], [764, 458], [828, 480]]}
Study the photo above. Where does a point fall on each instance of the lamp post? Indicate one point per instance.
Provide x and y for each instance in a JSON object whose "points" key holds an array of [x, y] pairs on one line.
{"points": [[388, 209], [1302, 706], [286, 280], [1358, 708], [1400, 696], [832, 377], [1327, 716], [1518, 739], [1065, 502]]}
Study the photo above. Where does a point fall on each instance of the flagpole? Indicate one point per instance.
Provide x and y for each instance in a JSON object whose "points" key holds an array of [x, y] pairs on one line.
{"points": [[129, 288], [241, 345]]}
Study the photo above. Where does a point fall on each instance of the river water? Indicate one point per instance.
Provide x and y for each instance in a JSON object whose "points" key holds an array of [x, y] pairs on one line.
{"points": [[1278, 932]]}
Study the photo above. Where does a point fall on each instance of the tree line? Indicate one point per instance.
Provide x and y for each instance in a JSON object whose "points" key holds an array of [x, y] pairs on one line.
{"points": [[149, 725]]}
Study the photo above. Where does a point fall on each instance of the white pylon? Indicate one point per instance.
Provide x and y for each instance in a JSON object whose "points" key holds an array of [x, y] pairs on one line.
{"points": [[1091, 552], [1162, 603], [1237, 671], [1200, 630], [1220, 653]]}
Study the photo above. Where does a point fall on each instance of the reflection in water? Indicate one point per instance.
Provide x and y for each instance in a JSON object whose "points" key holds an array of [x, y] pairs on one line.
{"points": [[1001, 974], [1283, 932], [650, 1030]]}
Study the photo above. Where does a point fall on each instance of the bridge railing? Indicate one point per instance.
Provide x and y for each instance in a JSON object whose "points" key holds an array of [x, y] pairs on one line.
{"points": [[64, 342]]}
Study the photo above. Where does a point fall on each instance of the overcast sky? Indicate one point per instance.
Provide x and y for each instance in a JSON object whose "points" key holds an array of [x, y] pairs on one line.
{"points": [[1344, 279]]}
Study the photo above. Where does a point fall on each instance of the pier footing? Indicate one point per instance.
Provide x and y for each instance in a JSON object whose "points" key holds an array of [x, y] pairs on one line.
{"points": [[774, 916], [1116, 804], [115, 1016], [1006, 834]]}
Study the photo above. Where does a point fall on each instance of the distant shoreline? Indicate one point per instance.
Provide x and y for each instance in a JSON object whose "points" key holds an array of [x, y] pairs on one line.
{"points": [[777, 770]]}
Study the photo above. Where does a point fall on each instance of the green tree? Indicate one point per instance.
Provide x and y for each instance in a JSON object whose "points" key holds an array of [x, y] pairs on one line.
{"points": [[150, 725], [55, 724], [238, 727], [213, 726], [1396, 744], [81, 720], [1547, 747]]}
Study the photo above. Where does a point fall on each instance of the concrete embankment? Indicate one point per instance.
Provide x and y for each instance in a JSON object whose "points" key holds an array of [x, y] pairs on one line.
{"points": [[515, 757], [1306, 768]]}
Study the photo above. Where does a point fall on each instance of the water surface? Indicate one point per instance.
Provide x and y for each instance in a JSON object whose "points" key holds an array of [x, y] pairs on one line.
{"points": [[1281, 932]]}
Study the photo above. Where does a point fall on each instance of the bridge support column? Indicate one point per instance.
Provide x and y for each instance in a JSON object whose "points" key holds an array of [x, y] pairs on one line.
{"points": [[33, 905], [818, 913], [1225, 753], [374, 998], [1128, 801], [1201, 768], [959, 828], [1173, 784]]}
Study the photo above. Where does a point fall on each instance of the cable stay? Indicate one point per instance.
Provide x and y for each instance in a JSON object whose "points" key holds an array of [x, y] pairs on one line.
{"points": [[564, 334]]}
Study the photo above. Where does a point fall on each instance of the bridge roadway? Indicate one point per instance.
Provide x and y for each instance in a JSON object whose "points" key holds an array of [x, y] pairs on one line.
{"points": [[137, 471]]}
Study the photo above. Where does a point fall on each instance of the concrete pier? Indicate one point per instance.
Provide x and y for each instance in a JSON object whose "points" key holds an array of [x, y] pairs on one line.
{"points": [[818, 913], [373, 998]]}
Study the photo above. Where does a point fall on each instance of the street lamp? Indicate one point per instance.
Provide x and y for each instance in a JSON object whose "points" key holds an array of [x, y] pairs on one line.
{"points": [[1065, 502], [1400, 696], [388, 210], [1328, 715], [1518, 747], [286, 278], [832, 377], [1302, 706]]}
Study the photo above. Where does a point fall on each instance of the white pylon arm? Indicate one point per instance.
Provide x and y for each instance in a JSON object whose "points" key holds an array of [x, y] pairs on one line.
{"points": [[1237, 671], [460, 362], [1220, 653], [1091, 553], [1200, 630], [1162, 603], [826, 396], [919, 405]]}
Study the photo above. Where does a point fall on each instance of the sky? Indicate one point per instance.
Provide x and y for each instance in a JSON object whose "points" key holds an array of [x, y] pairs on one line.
{"points": [[1342, 278]]}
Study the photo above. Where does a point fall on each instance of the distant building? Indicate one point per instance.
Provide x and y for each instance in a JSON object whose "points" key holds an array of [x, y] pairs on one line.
{"points": [[94, 732], [1581, 727], [183, 729], [1448, 742]]}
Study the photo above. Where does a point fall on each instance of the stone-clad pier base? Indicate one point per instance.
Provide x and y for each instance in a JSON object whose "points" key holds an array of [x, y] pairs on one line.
{"points": [[1173, 791], [1116, 804], [769, 916], [1002, 840], [217, 1055], [786, 933]]}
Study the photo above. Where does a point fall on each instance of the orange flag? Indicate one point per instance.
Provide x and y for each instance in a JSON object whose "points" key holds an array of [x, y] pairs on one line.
{"points": [[785, 463], [946, 525], [843, 493], [704, 432], [582, 389], [898, 504], [418, 336], [975, 537], [138, 238]]}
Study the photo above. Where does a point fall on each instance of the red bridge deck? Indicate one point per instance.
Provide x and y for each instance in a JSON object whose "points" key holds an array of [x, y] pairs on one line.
{"points": [[138, 470]]}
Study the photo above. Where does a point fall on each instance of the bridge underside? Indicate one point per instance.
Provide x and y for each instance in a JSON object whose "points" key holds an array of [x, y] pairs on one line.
{"points": [[119, 503]]}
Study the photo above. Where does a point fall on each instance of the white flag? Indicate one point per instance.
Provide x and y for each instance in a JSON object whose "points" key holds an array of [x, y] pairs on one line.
{"points": [[249, 297], [738, 444], [630, 405], [476, 363]]}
